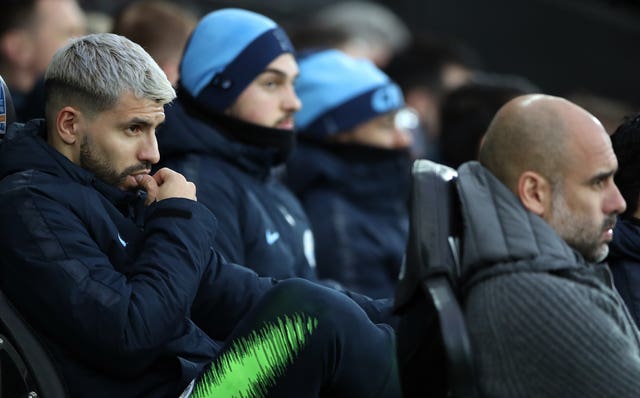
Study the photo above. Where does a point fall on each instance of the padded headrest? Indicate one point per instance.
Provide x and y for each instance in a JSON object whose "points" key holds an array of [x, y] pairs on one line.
{"points": [[7, 111]]}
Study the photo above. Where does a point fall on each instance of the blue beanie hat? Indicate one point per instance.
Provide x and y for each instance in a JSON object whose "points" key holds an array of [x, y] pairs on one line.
{"points": [[339, 92], [227, 50]]}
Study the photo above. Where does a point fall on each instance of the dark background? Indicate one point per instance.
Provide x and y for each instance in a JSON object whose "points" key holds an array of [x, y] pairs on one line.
{"points": [[562, 46]]}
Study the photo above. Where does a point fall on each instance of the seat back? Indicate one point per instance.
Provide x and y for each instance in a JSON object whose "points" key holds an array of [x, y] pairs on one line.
{"points": [[433, 344], [7, 111], [26, 369]]}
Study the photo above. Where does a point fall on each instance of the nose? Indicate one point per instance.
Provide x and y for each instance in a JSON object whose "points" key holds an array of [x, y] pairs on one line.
{"points": [[149, 149], [291, 102], [402, 138], [615, 203]]}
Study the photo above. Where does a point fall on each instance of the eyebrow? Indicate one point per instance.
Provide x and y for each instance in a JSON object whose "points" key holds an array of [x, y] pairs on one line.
{"points": [[602, 176], [146, 123], [140, 121], [279, 73]]}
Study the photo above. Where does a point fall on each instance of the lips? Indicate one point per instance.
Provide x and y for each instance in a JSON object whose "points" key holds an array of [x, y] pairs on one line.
{"points": [[286, 126], [608, 235], [285, 123], [142, 172], [608, 230]]}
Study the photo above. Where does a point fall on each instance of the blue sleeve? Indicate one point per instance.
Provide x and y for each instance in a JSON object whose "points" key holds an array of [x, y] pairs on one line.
{"points": [[223, 203], [61, 280]]}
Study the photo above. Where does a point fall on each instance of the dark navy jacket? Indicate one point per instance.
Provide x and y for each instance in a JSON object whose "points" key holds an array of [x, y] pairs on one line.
{"points": [[265, 226], [356, 198], [109, 284], [624, 261]]}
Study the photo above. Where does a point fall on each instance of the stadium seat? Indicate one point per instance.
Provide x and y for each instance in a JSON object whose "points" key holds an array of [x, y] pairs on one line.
{"points": [[433, 344]]}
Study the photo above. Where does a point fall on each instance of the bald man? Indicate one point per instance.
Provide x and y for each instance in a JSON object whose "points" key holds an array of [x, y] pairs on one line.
{"points": [[538, 211]]}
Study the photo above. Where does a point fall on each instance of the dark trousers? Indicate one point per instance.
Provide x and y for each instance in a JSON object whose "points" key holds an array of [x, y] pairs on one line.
{"points": [[304, 340]]}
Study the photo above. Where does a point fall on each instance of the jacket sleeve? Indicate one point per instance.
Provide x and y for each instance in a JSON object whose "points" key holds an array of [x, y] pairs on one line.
{"points": [[61, 280], [546, 336], [217, 193]]}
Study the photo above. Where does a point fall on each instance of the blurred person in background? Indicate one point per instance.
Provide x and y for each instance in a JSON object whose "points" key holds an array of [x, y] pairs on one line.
{"points": [[467, 111], [426, 71], [624, 253], [161, 27], [351, 170], [359, 28], [30, 33]]}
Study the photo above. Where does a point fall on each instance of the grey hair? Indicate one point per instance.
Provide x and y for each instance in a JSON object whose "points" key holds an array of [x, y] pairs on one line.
{"points": [[92, 72]]}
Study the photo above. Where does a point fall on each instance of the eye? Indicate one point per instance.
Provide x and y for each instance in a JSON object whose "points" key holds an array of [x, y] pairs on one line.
{"points": [[386, 123], [270, 84], [600, 183], [134, 129]]}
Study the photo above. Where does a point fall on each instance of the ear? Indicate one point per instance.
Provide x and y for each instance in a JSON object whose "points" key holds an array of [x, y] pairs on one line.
{"points": [[534, 192], [67, 125]]}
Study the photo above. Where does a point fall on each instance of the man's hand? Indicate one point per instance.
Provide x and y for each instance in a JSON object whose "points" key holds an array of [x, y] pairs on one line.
{"points": [[164, 184]]}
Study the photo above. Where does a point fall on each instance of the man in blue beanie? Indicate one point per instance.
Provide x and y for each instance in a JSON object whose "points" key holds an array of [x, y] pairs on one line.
{"points": [[231, 125], [351, 170], [113, 266]]}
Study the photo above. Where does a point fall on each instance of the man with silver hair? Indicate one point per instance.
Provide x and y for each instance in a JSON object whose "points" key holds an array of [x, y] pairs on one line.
{"points": [[112, 266]]}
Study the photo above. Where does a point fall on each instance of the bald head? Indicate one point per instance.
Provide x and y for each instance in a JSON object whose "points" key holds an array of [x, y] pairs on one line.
{"points": [[558, 160], [535, 133]]}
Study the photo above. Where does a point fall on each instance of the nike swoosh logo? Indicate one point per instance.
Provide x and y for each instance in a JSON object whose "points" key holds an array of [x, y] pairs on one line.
{"points": [[122, 242], [271, 237]]}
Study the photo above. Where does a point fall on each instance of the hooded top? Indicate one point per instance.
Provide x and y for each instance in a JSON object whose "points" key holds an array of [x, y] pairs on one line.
{"points": [[624, 260], [356, 199], [230, 160], [355, 195], [109, 283], [542, 321], [264, 225]]}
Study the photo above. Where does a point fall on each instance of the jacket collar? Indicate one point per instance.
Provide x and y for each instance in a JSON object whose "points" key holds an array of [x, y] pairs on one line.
{"points": [[373, 177], [499, 233], [191, 128]]}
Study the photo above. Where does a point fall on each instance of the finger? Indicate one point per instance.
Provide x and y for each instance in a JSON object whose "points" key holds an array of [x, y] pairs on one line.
{"points": [[162, 175], [193, 190], [149, 184]]}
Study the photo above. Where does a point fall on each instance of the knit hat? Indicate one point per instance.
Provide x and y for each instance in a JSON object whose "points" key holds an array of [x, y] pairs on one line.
{"points": [[339, 92], [227, 50]]}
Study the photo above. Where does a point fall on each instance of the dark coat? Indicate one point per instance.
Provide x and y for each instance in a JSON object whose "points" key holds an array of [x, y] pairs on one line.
{"points": [[542, 321], [356, 198], [624, 260], [265, 226], [108, 283]]}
